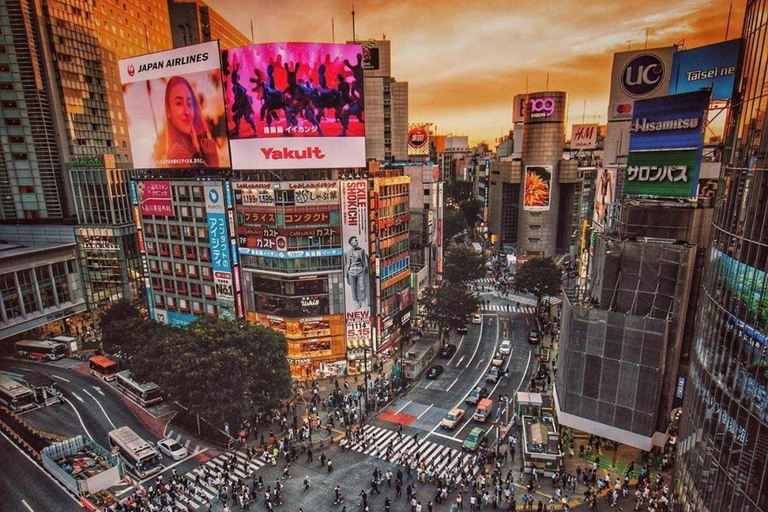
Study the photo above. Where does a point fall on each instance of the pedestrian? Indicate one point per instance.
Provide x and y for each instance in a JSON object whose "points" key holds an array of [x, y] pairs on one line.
{"points": [[306, 483], [387, 504], [310, 455]]}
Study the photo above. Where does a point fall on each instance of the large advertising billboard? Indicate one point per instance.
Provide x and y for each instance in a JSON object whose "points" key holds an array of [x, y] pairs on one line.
{"points": [[638, 75], [661, 173], [175, 108], [154, 198], [538, 187], [286, 193], [295, 105], [605, 195], [357, 272], [712, 66], [418, 140], [218, 238]]}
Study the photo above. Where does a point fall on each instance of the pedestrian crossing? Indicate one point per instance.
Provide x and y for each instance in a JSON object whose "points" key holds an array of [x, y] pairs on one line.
{"points": [[440, 458], [509, 308], [205, 493], [485, 280]]}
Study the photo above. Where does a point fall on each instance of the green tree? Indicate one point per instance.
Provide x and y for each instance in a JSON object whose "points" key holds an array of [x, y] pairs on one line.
{"points": [[463, 265], [539, 276], [472, 209], [122, 328], [449, 305], [453, 224], [459, 191]]}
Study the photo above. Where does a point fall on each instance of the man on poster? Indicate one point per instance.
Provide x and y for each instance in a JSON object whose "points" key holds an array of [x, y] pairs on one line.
{"points": [[356, 271]]}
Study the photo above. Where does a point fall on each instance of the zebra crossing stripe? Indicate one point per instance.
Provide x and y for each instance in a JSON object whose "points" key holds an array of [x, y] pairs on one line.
{"points": [[188, 502]]}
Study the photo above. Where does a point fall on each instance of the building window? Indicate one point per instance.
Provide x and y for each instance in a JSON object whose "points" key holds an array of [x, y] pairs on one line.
{"points": [[27, 287], [10, 296], [26, 189], [8, 103], [13, 121], [20, 156], [16, 139], [6, 86], [45, 286]]}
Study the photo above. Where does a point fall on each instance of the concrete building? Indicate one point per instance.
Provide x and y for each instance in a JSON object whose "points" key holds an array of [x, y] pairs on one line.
{"points": [[195, 22], [425, 224], [386, 105]]}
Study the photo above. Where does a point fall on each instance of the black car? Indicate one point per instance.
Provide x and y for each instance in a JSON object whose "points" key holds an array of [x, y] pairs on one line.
{"points": [[533, 337], [462, 329], [476, 395], [434, 372], [447, 351]]}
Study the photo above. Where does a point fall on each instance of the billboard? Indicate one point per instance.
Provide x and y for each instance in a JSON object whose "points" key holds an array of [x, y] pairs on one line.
{"points": [[418, 140], [605, 195], [637, 75], [538, 185], [584, 136], [354, 234], [661, 173], [712, 66], [175, 108], [518, 108], [155, 198], [669, 122], [295, 105], [218, 239], [286, 193]]}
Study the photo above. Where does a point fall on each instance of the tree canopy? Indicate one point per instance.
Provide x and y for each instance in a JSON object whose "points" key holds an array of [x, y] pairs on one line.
{"points": [[539, 276], [463, 265], [453, 224], [472, 210], [459, 190], [449, 305]]}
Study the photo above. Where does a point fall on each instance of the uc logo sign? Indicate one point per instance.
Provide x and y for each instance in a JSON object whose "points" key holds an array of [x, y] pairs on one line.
{"points": [[642, 75]]}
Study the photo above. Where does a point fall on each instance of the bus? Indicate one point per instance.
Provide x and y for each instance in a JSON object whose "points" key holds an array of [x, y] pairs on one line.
{"points": [[145, 394], [103, 367], [34, 349], [141, 457], [17, 397]]}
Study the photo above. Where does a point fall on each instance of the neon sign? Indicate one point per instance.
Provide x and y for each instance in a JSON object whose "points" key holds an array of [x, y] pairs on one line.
{"points": [[542, 107]]}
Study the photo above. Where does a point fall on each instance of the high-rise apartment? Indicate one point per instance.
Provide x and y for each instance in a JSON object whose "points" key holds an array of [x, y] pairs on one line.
{"points": [[723, 442], [194, 22]]}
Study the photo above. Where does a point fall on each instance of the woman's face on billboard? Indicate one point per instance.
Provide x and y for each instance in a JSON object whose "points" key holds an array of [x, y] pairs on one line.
{"points": [[180, 109]]}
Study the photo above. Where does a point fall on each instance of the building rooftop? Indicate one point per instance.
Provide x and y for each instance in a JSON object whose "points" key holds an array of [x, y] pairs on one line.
{"points": [[8, 251]]}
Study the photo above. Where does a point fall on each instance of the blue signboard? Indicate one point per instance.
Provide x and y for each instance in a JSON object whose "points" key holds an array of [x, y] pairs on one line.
{"points": [[311, 253], [712, 66], [134, 195], [669, 122]]}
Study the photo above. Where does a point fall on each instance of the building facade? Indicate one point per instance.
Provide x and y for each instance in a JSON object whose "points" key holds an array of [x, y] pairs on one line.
{"points": [[195, 22], [723, 441]]}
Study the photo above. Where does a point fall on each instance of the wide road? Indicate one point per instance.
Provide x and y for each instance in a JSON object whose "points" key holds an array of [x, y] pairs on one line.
{"points": [[26, 487]]}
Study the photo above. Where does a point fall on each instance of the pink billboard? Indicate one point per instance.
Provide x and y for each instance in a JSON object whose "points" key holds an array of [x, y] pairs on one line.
{"points": [[155, 198], [295, 105]]}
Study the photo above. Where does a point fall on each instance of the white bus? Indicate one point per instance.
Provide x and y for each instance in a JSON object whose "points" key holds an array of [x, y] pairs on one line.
{"points": [[147, 393], [141, 457], [17, 397], [34, 349]]}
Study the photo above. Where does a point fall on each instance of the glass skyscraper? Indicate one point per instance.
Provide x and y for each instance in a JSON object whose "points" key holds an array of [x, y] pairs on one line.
{"points": [[723, 443]]}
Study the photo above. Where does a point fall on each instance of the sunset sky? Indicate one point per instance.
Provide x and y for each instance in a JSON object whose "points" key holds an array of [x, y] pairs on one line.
{"points": [[464, 60]]}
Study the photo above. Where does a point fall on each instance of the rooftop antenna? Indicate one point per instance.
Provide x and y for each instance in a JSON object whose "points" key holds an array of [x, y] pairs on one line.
{"points": [[354, 38], [333, 30], [646, 38], [547, 87], [252, 39], [629, 44], [728, 24], [584, 112], [526, 84]]}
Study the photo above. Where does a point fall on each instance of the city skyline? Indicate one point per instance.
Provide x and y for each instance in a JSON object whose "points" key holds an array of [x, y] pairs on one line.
{"points": [[441, 72]]}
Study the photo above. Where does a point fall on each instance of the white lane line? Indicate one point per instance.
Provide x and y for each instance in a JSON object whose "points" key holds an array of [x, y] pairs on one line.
{"points": [[430, 384], [403, 407], [60, 378], [457, 350], [479, 362], [460, 360], [425, 411], [479, 339], [98, 390], [102, 409], [30, 459], [80, 399], [454, 382], [27, 505], [438, 434], [530, 353], [79, 417]]}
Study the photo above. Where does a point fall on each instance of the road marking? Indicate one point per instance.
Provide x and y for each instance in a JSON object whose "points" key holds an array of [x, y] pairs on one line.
{"points": [[27, 505], [479, 339], [430, 383], [60, 378], [454, 382], [186, 445], [438, 434], [479, 362], [79, 417], [98, 390], [460, 360], [425, 412], [102, 409], [78, 397], [457, 350], [34, 463], [152, 478], [403, 407]]}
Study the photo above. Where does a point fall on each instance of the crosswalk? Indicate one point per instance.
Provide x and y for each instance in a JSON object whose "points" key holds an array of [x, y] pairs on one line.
{"points": [[510, 308], [206, 493], [485, 280], [441, 458]]}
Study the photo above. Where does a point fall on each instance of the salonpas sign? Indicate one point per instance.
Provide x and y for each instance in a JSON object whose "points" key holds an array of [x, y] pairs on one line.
{"points": [[661, 173]]}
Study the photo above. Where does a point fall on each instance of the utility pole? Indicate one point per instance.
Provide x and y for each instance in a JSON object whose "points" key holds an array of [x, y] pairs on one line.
{"points": [[354, 37], [365, 383]]}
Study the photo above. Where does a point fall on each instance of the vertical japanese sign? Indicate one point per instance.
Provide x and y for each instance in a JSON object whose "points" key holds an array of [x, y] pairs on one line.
{"points": [[219, 241], [142, 249], [439, 230], [357, 294]]}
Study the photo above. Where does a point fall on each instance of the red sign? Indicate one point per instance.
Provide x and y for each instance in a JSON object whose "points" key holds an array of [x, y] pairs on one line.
{"points": [[418, 137], [155, 198]]}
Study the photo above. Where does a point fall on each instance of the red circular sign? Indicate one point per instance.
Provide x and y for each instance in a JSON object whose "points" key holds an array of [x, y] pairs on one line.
{"points": [[417, 137]]}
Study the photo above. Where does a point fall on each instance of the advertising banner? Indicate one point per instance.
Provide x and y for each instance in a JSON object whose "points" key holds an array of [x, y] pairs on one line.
{"points": [[584, 136], [298, 328], [308, 253], [518, 108], [669, 122], [295, 105], [638, 75], [175, 108], [218, 238], [712, 66], [418, 140], [357, 295], [286, 193], [155, 198], [662, 173], [605, 195], [538, 183]]}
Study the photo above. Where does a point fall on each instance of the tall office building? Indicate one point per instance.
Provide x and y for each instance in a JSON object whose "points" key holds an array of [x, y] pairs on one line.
{"points": [[194, 22], [386, 105], [723, 440]]}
